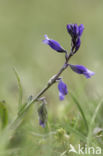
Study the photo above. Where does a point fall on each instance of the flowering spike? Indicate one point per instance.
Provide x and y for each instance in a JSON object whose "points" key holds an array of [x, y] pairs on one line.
{"points": [[62, 87], [75, 32], [54, 44], [82, 70]]}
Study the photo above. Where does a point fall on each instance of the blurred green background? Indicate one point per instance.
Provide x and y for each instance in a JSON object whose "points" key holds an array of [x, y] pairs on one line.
{"points": [[23, 24]]}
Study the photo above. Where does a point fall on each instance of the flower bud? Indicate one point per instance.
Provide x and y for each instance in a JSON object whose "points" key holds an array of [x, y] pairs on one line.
{"points": [[62, 87], [82, 70], [54, 44], [42, 112], [75, 32]]}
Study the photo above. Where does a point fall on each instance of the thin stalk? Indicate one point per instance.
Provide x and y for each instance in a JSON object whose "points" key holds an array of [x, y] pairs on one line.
{"points": [[49, 84]]}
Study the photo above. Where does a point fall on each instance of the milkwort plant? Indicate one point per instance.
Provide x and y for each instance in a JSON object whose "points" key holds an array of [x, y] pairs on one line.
{"points": [[75, 31]]}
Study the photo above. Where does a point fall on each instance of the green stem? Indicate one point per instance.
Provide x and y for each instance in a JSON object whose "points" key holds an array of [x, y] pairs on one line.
{"points": [[52, 80]]}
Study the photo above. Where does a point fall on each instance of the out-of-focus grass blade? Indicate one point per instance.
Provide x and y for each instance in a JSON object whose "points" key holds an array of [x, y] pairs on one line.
{"points": [[80, 109], [20, 89], [75, 131], [93, 120], [3, 114]]}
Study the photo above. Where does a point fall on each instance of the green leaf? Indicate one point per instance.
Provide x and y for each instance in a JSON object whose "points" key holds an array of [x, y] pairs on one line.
{"points": [[20, 89], [3, 114]]}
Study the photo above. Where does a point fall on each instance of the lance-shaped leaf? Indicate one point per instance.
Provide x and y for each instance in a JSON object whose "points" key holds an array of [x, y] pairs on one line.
{"points": [[3, 114]]}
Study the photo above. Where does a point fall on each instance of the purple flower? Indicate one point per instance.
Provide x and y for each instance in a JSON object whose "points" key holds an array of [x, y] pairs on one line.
{"points": [[82, 70], [62, 89], [75, 32], [53, 44]]}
